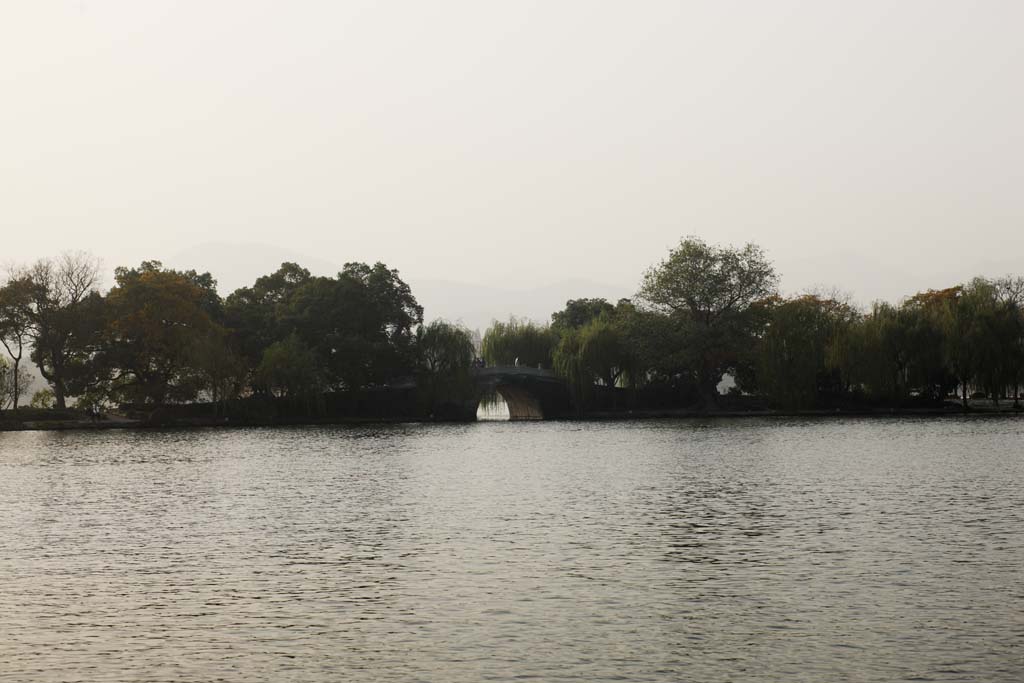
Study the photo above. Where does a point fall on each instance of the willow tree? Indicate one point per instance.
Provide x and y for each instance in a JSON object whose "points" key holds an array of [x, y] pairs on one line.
{"points": [[963, 328], [885, 351], [922, 319], [597, 354], [444, 354], [569, 364], [1010, 291], [518, 342], [793, 360], [997, 334], [290, 369], [713, 292]]}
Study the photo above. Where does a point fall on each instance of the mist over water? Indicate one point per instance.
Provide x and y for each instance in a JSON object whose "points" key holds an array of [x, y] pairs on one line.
{"points": [[706, 550]]}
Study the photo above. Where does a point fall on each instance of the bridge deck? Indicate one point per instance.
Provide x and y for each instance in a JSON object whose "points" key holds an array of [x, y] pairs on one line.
{"points": [[496, 371]]}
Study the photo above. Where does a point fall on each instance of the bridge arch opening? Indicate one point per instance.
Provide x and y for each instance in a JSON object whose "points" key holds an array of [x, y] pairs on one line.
{"points": [[509, 402], [492, 408]]}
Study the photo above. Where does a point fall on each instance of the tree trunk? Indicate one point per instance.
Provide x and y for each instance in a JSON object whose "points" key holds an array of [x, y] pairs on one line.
{"points": [[609, 379], [708, 393], [55, 376], [17, 389], [17, 365]]}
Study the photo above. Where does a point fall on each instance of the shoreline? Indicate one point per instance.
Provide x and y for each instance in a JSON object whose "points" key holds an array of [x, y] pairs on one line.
{"points": [[9, 425]]}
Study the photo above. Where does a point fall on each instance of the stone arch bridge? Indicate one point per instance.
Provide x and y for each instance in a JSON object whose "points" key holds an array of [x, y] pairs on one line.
{"points": [[530, 393]]}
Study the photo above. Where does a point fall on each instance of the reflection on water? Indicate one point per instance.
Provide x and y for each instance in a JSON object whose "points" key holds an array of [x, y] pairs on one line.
{"points": [[492, 409], [764, 550]]}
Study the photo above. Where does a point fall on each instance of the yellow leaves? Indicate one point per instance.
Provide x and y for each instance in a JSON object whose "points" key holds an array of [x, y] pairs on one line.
{"points": [[156, 303]]}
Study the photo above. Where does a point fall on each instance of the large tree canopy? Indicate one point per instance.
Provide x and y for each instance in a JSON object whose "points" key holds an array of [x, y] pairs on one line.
{"points": [[159, 317], [253, 314], [66, 316], [579, 312], [713, 295], [709, 282], [361, 324]]}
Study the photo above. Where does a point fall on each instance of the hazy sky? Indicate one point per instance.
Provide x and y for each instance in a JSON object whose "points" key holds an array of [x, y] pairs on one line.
{"points": [[876, 146]]}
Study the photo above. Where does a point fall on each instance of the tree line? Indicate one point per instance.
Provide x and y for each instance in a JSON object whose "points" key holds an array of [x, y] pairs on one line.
{"points": [[161, 336], [707, 311]]}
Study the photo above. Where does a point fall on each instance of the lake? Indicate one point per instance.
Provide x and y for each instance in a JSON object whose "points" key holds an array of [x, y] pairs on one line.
{"points": [[662, 550]]}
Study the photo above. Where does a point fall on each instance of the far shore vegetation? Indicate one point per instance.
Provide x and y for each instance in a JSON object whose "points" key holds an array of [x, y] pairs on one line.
{"points": [[163, 343]]}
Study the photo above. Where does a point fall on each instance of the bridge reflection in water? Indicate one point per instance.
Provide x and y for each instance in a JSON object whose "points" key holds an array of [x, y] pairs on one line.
{"points": [[492, 409], [529, 393]]}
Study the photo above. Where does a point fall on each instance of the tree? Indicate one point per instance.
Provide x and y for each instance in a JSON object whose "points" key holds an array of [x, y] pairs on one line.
{"points": [[444, 348], [712, 293], [598, 353], [221, 374], [882, 353], [254, 314], [1010, 293], [518, 341], [159, 317], [14, 383], [568, 362], [898, 352], [42, 399], [290, 369], [997, 334], [921, 316], [445, 355], [16, 328], [666, 361], [66, 316], [360, 324], [963, 334], [793, 369], [579, 312]]}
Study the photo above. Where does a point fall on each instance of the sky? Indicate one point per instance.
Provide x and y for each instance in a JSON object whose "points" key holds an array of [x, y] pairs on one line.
{"points": [[874, 147]]}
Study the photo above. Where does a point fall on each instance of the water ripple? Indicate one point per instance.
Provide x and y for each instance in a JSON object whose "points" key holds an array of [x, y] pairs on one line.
{"points": [[761, 550]]}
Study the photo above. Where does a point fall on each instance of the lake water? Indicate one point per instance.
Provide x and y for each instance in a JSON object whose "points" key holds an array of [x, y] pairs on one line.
{"points": [[731, 550]]}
